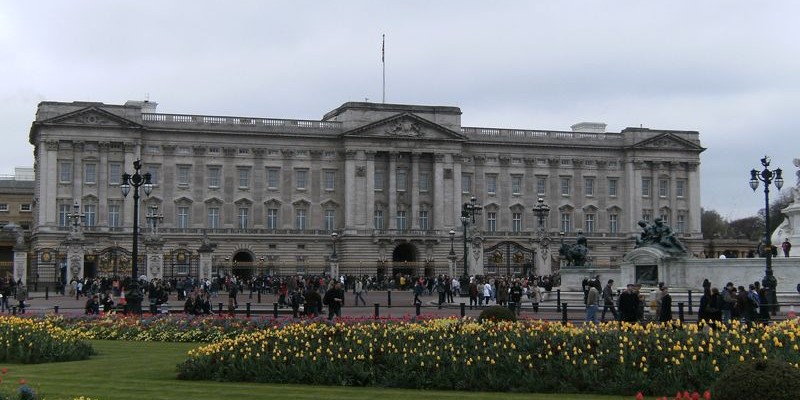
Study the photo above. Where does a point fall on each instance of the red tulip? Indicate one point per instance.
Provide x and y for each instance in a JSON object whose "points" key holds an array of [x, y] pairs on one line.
{"points": [[4, 371], [695, 396], [639, 396], [22, 381], [678, 396], [686, 394], [707, 395]]}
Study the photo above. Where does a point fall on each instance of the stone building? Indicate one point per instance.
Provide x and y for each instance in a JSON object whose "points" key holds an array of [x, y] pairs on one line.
{"points": [[16, 216], [389, 180]]}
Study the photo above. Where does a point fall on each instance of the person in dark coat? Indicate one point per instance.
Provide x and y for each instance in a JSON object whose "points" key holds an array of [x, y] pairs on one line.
{"points": [[629, 305], [334, 299], [665, 311]]}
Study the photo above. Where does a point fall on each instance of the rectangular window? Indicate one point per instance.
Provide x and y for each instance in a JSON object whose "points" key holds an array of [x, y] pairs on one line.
{"points": [[466, 183], [90, 173], [377, 219], [213, 217], [329, 179], [491, 184], [214, 176], [647, 216], [646, 187], [516, 222], [243, 217], [566, 222], [25, 207], [273, 178], [541, 186], [680, 224], [680, 188], [402, 182], [182, 220], [4, 207], [491, 221], [330, 220], [378, 180], [401, 220], [588, 187], [244, 178], [565, 186], [613, 224], [424, 181], [114, 216], [153, 171], [114, 173], [423, 220], [63, 214], [272, 218], [65, 172], [90, 212], [665, 218], [300, 219], [612, 187], [663, 188], [183, 175], [588, 225], [516, 185], [301, 179]]}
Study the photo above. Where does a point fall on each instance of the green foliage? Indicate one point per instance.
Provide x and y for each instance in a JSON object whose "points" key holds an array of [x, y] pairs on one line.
{"points": [[496, 314], [30, 341], [758, 379]]}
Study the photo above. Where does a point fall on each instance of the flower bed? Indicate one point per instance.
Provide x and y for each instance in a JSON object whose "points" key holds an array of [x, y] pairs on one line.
{"points": [[466, 355], [31, 341]]}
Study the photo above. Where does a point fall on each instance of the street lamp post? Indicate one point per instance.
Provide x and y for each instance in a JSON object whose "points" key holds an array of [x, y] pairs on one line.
{"points": [[468, 213], [768, 176], [137, 180], [334, 238]]}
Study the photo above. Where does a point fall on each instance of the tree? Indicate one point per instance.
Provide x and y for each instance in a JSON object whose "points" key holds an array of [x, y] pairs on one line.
{"points": [[712, 224], [751, 228]]}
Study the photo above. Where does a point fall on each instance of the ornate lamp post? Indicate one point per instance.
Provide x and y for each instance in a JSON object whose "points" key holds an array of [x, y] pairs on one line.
{"points": [[468, 213], [153, 219], [452, 238], [768, 177], [77, 218], [334, 238], [137, 180]]}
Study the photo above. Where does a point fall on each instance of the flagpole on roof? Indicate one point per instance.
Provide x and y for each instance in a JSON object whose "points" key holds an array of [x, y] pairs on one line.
{"points": [[383, 62]]}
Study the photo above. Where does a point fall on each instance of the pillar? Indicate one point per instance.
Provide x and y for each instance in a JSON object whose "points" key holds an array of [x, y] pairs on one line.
{"points": [[154, 258]]}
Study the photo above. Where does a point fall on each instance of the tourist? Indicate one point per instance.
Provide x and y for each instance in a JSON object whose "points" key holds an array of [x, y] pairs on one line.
{"points": [[629, 304], [728, 303], [313, 302], [516, 297], [787, 247], [359, 292], [608, 301], [665, 307], [487, 292], [92, 305], [473, 293], [334, 299], [418, 290], [592, 303]]}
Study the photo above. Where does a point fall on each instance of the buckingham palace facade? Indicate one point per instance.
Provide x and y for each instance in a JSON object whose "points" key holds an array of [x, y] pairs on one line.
{"points": [[370, 188]]}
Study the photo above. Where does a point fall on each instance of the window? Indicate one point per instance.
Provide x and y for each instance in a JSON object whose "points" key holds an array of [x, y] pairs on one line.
{"points": [[424, 181], [213, 217], [401, 220], [65, 172], [90, 173], [566, 222], [588, 187], [541, 186], [377, 219], [25, 207], [516, 222], [613, 223], [646, 216], [90, 212], [402, 182], [114, 173], [4, 207], [588, 225], [272, 218], [244, 178], [378, 180], [330, 220], [300, 219], [516, 185], [665, 217], [153, 171], [612, 187], [182, 220], [273, 176], [63, 214], [423, 220], [213, 176], [113, 216], [301, 179], [243, 217], [565, 182], [680, 188], [491, 221], [466, 183], [491, 184], [329, 179], [183, 175], [663, 187], [680, 223], [646, 187]]}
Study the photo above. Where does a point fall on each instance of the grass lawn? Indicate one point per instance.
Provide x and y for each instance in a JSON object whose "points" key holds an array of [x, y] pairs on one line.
{"points": [[146, 370]]}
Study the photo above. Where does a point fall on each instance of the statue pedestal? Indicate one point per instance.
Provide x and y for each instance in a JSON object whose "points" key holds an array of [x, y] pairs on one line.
{"points": [[789, 229], [75, 257], [154, 258]]}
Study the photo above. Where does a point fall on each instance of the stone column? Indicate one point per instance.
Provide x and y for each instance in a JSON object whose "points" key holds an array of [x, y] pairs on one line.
{"points": [[370, 191], [438, 192], [393, 190], [415, 191], [206, 261], [350, 189], [20, 265], [694, 198], [453, 216], [154, 258]]}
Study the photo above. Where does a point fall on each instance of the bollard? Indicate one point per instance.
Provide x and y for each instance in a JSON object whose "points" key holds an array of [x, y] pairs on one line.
{"points": [[35, 286], [680, 312], [47, 292], [275, 310], [248, 310], [558, 300], [418, 306], [463, 310], [77, 295], [377, 310], [55, 309], [690, 304], [220, 309], [564, 318], [259, 296], [389, 297], [512, 306], [14, 310]]}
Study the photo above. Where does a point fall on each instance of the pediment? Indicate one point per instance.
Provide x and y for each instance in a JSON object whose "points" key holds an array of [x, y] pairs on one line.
{"points": [[92, 116], [405, 126], [667, 141]]}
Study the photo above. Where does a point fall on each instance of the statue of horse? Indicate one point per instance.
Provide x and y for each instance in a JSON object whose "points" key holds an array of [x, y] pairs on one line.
{"points": [[574, 254]]}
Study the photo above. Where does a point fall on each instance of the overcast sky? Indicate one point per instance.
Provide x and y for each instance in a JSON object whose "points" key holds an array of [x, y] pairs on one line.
{"points": [[728, 69]]}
